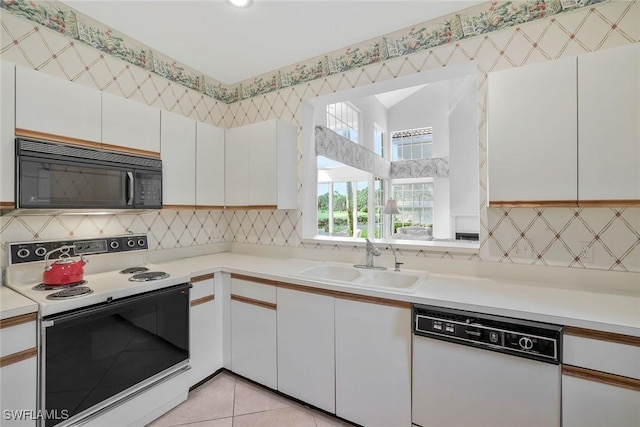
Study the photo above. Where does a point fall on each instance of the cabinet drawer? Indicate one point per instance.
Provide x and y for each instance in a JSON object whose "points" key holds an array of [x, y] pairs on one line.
{"points": [[18, 334], [203, 286], [605, 355], [253, 290]]}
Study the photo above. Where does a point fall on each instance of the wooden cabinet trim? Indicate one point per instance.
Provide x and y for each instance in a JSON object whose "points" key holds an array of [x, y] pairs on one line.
{"points": [[608, 203], [10, 359], [254, 279], [533, 204], [252, 207], [245, 300], [601, 377], [18, 320], [25, 133], [202, 278], [136, 151], [565, 203], [210, 207], [189, 207], [202, 300], [326, 292], [7, 205], [602, 336]]}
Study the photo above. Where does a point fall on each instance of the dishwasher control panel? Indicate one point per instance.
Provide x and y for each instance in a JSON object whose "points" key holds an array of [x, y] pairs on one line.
{"points": [[533, 340]]}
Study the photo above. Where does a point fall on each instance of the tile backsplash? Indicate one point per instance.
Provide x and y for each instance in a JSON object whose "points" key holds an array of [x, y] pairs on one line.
{"points": [[551, 236]]}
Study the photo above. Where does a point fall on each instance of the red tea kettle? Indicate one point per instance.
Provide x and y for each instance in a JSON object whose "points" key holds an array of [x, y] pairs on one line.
{"points": [[65, 270]]}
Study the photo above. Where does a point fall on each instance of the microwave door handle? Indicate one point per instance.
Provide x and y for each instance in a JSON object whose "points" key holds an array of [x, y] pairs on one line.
{"points": [[130, 188]]}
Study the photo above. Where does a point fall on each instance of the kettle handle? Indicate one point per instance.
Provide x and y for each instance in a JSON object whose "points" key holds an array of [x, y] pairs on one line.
{"points": [[63, 248]]}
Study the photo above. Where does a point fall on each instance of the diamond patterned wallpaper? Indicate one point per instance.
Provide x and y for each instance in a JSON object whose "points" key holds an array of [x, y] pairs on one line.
{"points": [[554, 235]]}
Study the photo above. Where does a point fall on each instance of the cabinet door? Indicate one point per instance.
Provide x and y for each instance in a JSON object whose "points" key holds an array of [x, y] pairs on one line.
{"points": [[609, 124], [306, 359], [178, 153], [18, 374], [593, 404], [209, 165], [263, 164], [373, 363], [204, 352], [49, 104], [237, 166], [7, 134], [253, 332], [130, 124], [532, 133], [287, 165]]}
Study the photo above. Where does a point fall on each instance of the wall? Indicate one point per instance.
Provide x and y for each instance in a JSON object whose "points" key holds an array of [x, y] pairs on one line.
{"points": [[613, 233]]}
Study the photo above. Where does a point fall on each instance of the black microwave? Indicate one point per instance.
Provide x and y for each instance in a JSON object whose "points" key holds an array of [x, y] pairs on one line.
{"points": [[52, 175]]}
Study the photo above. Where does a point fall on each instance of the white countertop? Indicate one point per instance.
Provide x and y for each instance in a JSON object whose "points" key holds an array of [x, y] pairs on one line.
{"points": [[572, 307], [13, 304]]}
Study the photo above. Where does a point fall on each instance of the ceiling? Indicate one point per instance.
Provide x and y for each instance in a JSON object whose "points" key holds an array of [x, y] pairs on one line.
{"points": [[232, 44]]}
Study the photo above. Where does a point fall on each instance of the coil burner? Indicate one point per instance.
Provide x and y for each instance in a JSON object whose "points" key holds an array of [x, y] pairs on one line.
{"points": [[148, 277], [68, 293], [134, 270]]}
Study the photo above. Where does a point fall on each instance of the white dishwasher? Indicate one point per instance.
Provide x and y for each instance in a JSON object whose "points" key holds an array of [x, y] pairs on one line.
{"points": [[477, 370]]}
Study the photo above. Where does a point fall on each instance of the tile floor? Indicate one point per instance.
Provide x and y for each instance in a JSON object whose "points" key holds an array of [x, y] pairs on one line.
{"points": [[229, 401]]}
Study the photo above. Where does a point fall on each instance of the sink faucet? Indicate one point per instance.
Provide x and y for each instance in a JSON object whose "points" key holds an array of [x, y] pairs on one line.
{"points": [[395, 258], [371, 252]]}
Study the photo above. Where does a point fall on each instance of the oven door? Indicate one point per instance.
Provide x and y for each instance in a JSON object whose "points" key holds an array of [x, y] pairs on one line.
{"points": [[94, 357]]}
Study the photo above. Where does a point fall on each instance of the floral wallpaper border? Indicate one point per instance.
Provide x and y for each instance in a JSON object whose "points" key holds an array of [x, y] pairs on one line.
{"points": [[485, 18]]}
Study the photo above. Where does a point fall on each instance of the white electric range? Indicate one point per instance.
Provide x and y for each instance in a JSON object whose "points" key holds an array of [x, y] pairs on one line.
{"points": [[114, 348], [116, 269]]}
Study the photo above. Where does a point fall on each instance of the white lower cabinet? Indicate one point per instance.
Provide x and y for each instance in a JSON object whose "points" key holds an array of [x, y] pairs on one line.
{"points": [[373, 363], [205, 350], [587, 403], [253, 332], [18, 371], [306, 368], [600, 379]]}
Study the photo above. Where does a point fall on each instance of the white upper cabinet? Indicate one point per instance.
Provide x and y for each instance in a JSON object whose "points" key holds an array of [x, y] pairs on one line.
{"points": [[130, 124], [609, 124], [209, 165], [52, 105], [7, 134], [532, 133], [178, 154], [261, 166], [237, 166]]}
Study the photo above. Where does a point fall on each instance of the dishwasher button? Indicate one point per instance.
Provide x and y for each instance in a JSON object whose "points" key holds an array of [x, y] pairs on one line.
{"points": [[494, 337], [450, 327], [437, 326]]}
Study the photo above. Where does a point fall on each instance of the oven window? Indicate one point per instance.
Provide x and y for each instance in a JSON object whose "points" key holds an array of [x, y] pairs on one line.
{"points": [[99, 353], [49, 184]]}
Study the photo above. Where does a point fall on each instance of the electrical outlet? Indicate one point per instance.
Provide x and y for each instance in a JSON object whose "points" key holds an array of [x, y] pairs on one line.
{"points": [[523, 249], [584, 252]]}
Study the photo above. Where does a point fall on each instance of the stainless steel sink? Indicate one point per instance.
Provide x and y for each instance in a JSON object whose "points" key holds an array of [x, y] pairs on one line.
{"points": [[348, 275]]}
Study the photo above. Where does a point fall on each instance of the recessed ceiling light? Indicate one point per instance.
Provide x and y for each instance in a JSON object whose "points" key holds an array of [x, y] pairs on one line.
{"points": [[240, 3]]}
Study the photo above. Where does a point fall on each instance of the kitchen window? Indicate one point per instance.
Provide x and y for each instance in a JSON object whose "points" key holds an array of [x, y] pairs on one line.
{"points": [[412, 144], [415, 202]]}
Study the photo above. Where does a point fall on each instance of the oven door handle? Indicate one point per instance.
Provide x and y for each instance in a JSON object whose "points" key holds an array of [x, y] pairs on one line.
{"points": [[108, 305]]}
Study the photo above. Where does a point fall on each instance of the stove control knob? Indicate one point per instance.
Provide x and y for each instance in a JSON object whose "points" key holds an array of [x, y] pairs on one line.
{"points": [[141, 242], [114, 244], [525, 343], [40, 251], [23, 253], [131, 243]]}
